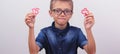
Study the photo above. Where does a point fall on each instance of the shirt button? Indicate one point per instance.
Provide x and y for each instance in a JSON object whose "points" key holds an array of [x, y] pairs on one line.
{"points": [[60, 48], [60, 35]]}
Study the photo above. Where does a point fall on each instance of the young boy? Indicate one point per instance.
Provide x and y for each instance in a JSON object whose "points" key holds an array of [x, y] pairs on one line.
{"points": [[61, 38]]}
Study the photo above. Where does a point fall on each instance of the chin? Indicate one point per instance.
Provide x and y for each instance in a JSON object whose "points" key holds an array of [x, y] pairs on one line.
{"points": [[62, 22]]}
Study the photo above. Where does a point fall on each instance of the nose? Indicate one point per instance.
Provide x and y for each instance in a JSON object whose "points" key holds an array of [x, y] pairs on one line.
{"points": [[62, 13]]}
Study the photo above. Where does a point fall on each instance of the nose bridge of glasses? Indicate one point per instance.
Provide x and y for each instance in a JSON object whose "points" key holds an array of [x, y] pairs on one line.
{"points": [[62, 12]]}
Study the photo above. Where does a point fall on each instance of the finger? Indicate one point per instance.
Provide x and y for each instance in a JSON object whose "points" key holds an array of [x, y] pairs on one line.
{"points": [[31, 15], [27, 18], [89, 15], [89, 20], [27, 21]]}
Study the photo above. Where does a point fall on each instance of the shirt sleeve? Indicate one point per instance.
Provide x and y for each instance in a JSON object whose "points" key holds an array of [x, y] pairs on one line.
{"points": [[40, 40], [82, 41]]}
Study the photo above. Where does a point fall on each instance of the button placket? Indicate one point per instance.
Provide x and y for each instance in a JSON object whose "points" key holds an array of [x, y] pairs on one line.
{"points": [[60, 43]]}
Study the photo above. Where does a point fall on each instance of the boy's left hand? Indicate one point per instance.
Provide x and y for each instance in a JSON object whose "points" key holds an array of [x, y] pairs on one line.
{"points": [[89, 21]]}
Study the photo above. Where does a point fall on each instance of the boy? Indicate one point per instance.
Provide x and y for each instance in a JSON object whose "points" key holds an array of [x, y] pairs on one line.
{"points": [[61, 38]]}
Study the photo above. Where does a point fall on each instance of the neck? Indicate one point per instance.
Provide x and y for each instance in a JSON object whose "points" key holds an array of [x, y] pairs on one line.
{"points": [[61, 27]]}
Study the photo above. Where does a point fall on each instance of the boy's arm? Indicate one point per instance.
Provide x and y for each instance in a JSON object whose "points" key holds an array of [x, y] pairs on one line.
{"points": [[30, 20], [90, 48]]}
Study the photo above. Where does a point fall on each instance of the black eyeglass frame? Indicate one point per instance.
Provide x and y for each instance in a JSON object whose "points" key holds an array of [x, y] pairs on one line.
{"points": [[60, 11]]}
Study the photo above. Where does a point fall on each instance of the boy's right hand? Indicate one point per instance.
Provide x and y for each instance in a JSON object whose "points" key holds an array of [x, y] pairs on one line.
{"points": [[30, 20]]}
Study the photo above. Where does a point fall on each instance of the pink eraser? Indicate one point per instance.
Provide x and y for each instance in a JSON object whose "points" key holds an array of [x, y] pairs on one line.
{"points": [[85, 11], [35, 11]]}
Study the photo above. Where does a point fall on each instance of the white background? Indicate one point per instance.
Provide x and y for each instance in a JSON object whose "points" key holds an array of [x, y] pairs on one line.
{"points": [[14, 32]]}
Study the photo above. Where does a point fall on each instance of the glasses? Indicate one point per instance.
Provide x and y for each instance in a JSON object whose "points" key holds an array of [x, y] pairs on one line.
{"points": [[60, 11]]}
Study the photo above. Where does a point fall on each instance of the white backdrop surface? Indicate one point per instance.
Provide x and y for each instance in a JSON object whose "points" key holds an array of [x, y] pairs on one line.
{"points": [[14, 32]]}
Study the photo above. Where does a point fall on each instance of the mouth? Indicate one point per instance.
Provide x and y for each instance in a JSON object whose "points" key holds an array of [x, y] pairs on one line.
{"points": [[62, 18]]}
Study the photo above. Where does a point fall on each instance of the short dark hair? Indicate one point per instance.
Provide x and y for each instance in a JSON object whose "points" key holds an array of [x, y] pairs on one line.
{"points": [[53, 1]]}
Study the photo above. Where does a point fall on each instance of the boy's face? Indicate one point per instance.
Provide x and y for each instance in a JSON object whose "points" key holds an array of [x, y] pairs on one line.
{"points": [[61, 12]]}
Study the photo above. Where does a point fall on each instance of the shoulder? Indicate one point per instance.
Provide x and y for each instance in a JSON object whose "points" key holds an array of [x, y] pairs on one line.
{"points": [[75, 28], [46, 28]]}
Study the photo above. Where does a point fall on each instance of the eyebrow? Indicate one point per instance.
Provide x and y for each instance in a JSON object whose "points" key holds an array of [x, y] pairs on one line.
{"points": [[63, 9]]}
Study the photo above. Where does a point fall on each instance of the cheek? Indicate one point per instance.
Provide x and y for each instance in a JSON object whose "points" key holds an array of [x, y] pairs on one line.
{"points": [[54, 16], [68, 17]]}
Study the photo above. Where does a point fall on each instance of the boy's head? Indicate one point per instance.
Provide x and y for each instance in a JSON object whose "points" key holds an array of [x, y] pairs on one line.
{"points": [[61, 10], [52, 2]]}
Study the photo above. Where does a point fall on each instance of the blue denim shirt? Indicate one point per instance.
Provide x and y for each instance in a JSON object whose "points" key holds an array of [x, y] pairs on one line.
{"points": [[57, 41]]}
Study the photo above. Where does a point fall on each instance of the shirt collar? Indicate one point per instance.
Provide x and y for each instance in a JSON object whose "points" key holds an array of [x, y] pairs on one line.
{"points": [[60, 31]]}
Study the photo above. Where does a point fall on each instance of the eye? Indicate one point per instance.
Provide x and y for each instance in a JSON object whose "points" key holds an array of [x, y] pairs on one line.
{"points": [[57, 10], [68, 11]]}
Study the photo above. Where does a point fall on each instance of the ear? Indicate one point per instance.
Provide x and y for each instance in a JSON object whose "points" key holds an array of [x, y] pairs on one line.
{"points": [[71, 15], [50, 13]]}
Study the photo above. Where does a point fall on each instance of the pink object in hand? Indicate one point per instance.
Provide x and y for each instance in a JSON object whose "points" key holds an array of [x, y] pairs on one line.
{"points": [[35, 11], [85, 11]]}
